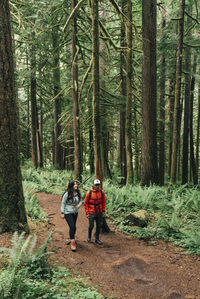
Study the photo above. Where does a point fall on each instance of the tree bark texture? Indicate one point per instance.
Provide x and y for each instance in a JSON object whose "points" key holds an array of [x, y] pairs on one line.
{"points": [[40, 126], [176, 121], [98, 151], [170, 124], [91, 139], [76, 120], [103, 112], [34, 116], [58, 100], [129, 75], [198, 129], [122, 113], [12, 210], [149, 168], [192, 157], [162, 111], [28, 114], [185, 154]]}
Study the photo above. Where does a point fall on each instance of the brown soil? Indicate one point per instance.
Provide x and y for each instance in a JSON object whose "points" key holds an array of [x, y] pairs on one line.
{"points": [[123, 267]]}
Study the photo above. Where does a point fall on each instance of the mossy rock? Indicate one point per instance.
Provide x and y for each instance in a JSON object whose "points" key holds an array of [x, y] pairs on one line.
{"points": [[139, 218]]}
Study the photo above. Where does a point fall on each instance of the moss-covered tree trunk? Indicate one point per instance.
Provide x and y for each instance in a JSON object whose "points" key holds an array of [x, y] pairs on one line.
{"points": [[28, 151], [91, 139], [103, 108], [76, 119], [198, 132], [12, 210], [98, 151], [34, 116], [192, 156], [170, 123], [185, 154], [149, 168], [59, 163], [40, 123], [122, 112], [129, 74], [176, 121], [162, 108]]}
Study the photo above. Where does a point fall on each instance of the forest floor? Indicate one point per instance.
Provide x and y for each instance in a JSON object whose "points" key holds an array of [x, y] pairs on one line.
{"points": [[123, 267]]}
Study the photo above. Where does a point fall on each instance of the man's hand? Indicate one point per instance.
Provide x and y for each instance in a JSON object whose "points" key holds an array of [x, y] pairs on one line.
{"points": [[87, 216], [62, 216], [103, 214]]}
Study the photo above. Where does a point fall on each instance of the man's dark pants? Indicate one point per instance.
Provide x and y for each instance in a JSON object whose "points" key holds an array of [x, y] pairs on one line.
{"points": [[92, 218]]}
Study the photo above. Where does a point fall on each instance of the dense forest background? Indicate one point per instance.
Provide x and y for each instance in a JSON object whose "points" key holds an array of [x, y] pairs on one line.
{"points": [[106, 89], [110, 87]]}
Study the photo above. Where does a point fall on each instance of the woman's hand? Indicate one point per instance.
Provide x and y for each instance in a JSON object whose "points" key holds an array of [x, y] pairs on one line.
{"points": [[62, 215]]}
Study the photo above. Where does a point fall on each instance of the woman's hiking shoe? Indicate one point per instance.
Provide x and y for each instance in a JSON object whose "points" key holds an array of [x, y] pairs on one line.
{"points": [[98, 242], [73, 245], [89, 240]]}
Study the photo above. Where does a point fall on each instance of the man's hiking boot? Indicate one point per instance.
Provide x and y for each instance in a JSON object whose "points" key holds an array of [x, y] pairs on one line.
{"points": [[89, 240], [73, 245], [97, 241]]}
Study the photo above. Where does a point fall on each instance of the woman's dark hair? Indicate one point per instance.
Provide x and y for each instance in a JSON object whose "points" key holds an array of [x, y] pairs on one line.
{"points": [[70, 190]]}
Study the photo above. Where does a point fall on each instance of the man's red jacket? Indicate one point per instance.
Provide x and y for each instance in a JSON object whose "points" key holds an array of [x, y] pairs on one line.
{"points": [[95, 201]]}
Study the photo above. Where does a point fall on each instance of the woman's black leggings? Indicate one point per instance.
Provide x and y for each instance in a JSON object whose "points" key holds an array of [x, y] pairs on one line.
{"points": [[71, 220]]}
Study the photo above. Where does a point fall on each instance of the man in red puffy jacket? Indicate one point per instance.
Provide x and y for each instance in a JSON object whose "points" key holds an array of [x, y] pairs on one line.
{"points": [[95, 206]]}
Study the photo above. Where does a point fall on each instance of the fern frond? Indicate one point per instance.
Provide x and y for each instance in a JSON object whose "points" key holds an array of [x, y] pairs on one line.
{"points": [[43, 248]]}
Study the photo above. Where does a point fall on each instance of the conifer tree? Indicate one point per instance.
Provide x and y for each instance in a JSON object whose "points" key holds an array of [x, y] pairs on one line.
{"points": [[12, 209]]}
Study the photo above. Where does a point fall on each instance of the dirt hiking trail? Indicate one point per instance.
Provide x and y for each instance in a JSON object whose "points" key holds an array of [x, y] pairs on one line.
{"points": [[123, 267]]}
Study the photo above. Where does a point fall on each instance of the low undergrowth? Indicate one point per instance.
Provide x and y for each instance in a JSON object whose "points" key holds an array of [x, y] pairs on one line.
{"points": [[27, 274], [174, 212], [173, 215]]}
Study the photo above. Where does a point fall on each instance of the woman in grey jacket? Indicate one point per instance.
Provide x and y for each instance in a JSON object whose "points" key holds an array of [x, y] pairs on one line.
{"points": [[71, 202]]}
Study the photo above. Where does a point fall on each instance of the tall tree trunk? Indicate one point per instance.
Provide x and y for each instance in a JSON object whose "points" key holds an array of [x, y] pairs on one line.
{"points": [[103, 109], [91, 144], [12, 209], [192, 158], [40, 126], [98, 151], [186, 119], [76, 118], [162, 110], [28, 113], [136, 143], [198, 129], [129, 74], [170, 124], [69, 153], [176, 122], [179, 144], [39, 137], [34, 117], [122, 113], [186, 111], [149, 166], [58, 99]]}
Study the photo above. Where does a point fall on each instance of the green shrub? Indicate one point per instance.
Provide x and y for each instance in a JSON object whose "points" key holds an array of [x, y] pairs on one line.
{"points": [[29, 276]]}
